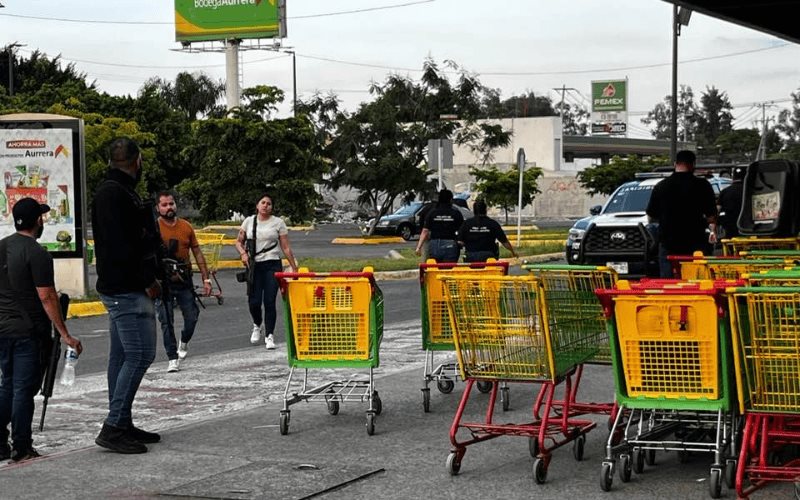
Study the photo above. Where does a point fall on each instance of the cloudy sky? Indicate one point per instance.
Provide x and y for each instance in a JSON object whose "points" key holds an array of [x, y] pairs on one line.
{"points": [[514, 45]]}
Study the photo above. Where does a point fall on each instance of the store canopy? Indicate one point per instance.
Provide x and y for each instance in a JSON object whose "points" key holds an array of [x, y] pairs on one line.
{"points": [[776, 17]]}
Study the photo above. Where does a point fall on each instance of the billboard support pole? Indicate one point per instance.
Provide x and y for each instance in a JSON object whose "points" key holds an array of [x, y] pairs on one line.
{"points": [[521, 167], [232, 91]]}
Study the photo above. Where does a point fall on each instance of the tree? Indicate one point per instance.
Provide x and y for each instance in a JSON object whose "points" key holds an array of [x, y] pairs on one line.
{"points": [[237, 159], [737, 145], [661, 116], [379, 150], [192, 93], [516, 106], [574, 120], [501, 189], [714, 117], [789, 122], [604, 179]]}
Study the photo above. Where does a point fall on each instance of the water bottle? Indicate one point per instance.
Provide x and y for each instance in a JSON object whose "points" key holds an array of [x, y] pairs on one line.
{"points": [[70, 360]]}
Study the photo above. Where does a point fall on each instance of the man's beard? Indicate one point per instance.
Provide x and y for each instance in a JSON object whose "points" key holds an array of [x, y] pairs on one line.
{"points": [[39, 232], [170, 215]]}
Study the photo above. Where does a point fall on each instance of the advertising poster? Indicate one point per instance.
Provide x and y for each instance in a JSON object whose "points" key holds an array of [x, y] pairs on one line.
{"points": [[766, 207], [205, 20], [39, 163]]}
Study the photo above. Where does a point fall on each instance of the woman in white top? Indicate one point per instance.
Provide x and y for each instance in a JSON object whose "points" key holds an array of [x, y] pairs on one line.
{"points": [[271, 233]]}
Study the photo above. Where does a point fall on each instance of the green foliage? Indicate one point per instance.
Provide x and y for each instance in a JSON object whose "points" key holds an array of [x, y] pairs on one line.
{"points": [[517, 106], [238, 159], [715, 118], [501, 189], [191, 93], [604, 179], [661, 115]]}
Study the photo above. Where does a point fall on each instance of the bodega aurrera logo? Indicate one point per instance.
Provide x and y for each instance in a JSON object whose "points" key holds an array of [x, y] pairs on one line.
{"points": [[215, 4]]}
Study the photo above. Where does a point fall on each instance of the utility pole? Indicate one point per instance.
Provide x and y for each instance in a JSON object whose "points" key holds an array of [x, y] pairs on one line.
{"points": [[761, 154], [232, 91], [294, 82], [10, 48], [563, 89], [680, 17]]}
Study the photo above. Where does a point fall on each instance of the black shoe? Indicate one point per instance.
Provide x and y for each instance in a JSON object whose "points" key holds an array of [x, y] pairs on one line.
{"points": [[24, 454], [5, 451], [117, 440], [143, 436]]}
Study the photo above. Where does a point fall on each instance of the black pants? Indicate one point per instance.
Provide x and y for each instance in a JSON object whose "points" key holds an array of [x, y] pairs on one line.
{"points": [[265, 290]]}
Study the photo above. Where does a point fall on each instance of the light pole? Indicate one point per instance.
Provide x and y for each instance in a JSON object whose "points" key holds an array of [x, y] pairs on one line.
{"points": [[294, 82], [10, 48], [680, 17]]}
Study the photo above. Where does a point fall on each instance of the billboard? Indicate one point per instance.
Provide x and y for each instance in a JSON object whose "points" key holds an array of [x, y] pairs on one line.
{"points": [[205, 20], [42, 164], [609, 106]]}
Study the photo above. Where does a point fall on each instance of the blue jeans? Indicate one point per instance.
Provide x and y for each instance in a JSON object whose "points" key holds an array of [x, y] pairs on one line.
{"points": [[133, 348], [20, 376], [444, 250], [265, 289], [664, 265], [182, 295], [479, 256]]}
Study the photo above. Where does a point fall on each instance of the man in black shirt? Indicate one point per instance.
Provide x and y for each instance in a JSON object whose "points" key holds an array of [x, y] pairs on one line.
{"points": [[441, 226], [479, 236], [126, 242], [730, 203], [28, 303], [684, 207]]}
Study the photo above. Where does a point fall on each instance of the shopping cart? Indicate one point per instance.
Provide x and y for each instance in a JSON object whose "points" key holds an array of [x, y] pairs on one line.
{"points": [[437, 334], [788, 255], [333, 320], [670, 357], [773, 277], [210, 246], [765, 326], [573, 308], [501, 333], [735, 268], [693, 267], [733, 246]]}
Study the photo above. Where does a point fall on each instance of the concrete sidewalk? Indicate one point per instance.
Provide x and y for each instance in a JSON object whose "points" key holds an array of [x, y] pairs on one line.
{"points": [[242, 455]]}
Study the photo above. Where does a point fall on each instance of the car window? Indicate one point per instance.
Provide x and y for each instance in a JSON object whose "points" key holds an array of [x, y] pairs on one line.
{"points": [[408, 209], [630, 198]]}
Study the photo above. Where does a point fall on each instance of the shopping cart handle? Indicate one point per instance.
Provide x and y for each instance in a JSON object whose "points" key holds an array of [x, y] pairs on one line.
{"points": [[283, 277]]}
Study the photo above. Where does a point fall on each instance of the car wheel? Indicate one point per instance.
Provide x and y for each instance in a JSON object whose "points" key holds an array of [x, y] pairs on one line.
{"points": [[405, 231]]}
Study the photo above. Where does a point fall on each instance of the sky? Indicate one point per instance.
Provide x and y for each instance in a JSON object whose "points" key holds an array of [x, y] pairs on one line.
{"points": [[512, 45]]}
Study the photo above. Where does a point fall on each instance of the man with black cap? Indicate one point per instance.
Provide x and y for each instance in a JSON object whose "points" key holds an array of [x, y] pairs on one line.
{"points": [[730, 203], [125, 242], [28, 305]]}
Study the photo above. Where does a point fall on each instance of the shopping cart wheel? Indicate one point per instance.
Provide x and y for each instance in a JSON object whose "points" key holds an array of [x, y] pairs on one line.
{"points": [[533, 446], [377, 404], [453, 463], [333, 407], [625, 467], [284, 423], [220, 300], [445, 385], [650, 458], [505, 396], [638, 460], [484, 386], [370, 423], [426, 400], [606, 476], [715, 483], [540, 470], [730, 473], [577, 447]]}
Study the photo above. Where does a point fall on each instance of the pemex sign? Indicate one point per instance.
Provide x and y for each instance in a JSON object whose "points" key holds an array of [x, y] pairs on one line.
{"points": [[204, 20], [609, 107]]}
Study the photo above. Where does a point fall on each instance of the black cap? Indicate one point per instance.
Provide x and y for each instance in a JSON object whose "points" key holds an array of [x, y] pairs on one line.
{"points": [[27, 211]]}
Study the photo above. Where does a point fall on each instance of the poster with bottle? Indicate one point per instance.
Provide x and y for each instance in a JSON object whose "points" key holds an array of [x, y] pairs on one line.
{"points": [[38, 164]]}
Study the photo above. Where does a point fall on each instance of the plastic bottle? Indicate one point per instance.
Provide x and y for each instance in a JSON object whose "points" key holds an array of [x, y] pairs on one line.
{"points": [[70, 360]]}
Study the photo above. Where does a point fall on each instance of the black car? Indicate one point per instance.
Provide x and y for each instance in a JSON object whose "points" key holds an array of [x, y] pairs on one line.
{"points": [[407, 221]]}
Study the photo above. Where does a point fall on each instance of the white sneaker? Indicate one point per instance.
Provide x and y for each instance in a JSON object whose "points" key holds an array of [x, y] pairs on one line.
{"points": [[269, 342], [174, 365], [256, 335], [183, 350]]}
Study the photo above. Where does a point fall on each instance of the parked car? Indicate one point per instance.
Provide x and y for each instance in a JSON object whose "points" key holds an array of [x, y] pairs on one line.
{"points": [[407, 221], [618, 234]]}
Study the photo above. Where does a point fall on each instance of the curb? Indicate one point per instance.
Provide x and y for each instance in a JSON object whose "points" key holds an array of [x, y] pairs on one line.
{"points": [[85, 309], [367, 241]]}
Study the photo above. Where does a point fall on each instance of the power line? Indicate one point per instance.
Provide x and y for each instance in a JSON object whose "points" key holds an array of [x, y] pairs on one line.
{"points": [[160, 23]]}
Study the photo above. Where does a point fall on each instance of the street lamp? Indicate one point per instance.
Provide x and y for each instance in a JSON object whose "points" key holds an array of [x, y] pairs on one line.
{"points": [[10, 48], [680, 17], [294, 82]]}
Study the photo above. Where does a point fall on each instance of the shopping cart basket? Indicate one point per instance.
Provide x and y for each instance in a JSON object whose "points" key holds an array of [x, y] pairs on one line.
{"points": [[773, 277], [333, 320], [733, 246], [501, 333], [437, 334], [693, 267], [210, 246], [765, 325], [670, 357], [735, 268], [572, 306]]}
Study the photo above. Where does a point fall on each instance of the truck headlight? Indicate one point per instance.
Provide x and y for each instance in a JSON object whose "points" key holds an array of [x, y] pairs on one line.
{"points": [[576, 234]]}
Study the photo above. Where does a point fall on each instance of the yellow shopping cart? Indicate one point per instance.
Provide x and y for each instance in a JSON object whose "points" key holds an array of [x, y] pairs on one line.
{"points": [[210, 246], [333, 320]]}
